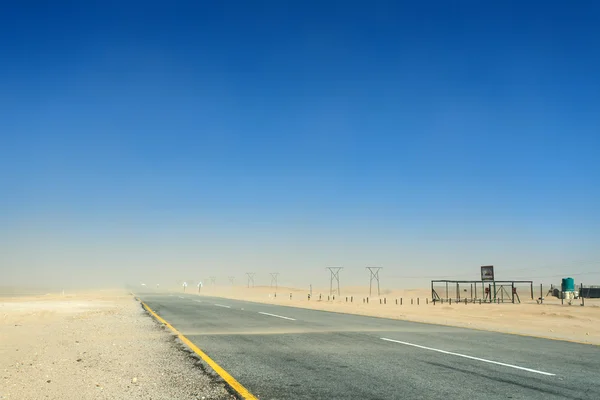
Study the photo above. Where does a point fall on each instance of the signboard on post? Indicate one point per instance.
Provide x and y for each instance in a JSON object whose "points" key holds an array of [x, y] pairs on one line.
{"points": [[487, 273]]}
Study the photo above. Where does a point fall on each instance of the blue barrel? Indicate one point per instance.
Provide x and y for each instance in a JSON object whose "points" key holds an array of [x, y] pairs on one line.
{"points": [[568, 285]]}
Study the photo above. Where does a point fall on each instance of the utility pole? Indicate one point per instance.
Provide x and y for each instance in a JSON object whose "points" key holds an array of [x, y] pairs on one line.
{"points": [[374, 275], [250, 278], [274, 279], [231, 280], [335, 275]]}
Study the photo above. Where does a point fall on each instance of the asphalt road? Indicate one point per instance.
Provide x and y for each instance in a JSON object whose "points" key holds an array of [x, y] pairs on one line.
{"points": [[280, 352]]}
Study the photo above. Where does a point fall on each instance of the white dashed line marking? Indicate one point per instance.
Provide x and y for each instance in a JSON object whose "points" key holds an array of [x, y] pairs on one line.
{"points": [[470, 357], [277, 316], [181, 297], [198, 301], [221, 305]]}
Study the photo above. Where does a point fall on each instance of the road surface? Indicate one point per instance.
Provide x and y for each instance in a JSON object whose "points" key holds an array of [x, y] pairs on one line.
{"points": [[280, 352]]}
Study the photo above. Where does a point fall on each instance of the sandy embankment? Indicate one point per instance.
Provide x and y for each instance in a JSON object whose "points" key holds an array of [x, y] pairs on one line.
{"points": [[550, 320], [95, 345]]}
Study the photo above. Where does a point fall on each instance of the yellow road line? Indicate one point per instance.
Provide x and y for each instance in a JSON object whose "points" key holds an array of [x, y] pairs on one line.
{"points": [[231, 381]]}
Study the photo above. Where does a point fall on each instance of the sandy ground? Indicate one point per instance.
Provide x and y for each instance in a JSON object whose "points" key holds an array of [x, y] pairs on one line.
{"points": [[98, 345], [549, 320]]}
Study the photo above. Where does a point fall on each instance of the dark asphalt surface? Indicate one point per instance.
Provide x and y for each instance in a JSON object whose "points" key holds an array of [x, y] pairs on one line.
{"points": [[324, 355]]}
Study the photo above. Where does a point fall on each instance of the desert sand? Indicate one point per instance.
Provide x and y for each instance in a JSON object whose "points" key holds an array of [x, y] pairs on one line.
{"points": [[93, 345], [549, 320]]}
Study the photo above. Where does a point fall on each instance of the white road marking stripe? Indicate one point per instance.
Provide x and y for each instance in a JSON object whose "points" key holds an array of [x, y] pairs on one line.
{"points": [[221, 305], [470, 357], [181, 297], [198, 301], [277, 316]]}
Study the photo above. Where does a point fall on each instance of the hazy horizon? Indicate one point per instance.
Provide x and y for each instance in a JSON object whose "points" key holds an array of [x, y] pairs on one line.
{"points": [[166, 143]]}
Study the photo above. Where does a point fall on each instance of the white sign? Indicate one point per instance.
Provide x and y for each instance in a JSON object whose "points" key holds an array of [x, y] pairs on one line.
{"points": [[184, 284]]}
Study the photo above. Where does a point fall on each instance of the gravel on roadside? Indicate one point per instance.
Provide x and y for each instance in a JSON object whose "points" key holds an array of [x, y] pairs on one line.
{"points": [[109, 348]]}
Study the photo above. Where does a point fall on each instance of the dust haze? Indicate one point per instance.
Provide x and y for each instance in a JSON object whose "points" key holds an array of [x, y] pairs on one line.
{"points": [[84, 254]]}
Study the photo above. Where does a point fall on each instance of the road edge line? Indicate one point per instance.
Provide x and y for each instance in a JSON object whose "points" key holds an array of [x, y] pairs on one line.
{"points": [[230, 380]]}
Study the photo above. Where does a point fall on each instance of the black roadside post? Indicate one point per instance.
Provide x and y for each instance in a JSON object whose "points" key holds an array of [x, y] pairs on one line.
{"points": [[531, 288], [457, 292], [513, 292], [432, 291]]}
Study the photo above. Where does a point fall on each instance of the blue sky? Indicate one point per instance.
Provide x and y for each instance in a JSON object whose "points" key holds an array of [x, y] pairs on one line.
{"points": [[290, 135]]}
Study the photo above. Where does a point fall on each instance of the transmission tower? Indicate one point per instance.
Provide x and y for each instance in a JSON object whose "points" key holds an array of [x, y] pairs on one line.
{"points": [[231, 279], [374, 275], [213, 280], [274, 279], [335, 276], [250, 278]]}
